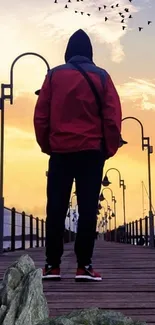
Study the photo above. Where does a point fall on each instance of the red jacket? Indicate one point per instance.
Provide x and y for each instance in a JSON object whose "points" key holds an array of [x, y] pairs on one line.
{"points": [[67, 118]]}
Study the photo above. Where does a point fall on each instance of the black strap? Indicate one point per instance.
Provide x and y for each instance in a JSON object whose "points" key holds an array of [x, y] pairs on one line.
{"points": [[98, 101], [91, 84]]}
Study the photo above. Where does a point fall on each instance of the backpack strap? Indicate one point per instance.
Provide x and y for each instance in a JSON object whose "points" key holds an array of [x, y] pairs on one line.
{"points": [[98, 101], [91, 85]]}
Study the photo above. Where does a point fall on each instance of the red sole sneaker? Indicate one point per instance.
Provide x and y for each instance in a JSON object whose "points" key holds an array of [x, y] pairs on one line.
{"points": [[87, 275], [87, 279], [51, 274], [51, 278]]}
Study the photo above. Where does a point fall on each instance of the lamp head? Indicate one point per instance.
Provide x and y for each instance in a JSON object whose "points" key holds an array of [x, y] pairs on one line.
{"points": [[37, 92], [122, 142], [99, 206], [105, 181], [101, 197]]}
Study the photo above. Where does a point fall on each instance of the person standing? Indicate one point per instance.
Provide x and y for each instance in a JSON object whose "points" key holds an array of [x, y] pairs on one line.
{"points": [[79, 128]]}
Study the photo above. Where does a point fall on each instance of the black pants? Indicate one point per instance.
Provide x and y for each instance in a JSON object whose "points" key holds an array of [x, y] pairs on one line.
{"points": [[86, 167]]}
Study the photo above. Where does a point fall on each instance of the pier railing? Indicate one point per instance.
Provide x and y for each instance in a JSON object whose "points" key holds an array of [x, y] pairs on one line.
{"points": [[135, 233], [22, 231]]}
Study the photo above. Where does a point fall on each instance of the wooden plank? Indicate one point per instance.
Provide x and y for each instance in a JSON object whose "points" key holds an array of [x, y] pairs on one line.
{"points": [[128, 280], [109, 296], [101, 304], [127, 312]]}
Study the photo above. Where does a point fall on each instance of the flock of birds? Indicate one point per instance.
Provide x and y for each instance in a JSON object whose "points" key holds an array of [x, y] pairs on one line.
{"points": [[124, 14]]}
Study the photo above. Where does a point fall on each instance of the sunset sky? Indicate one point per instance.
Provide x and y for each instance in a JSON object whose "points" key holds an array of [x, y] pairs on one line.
{"points": [[44, 27]]}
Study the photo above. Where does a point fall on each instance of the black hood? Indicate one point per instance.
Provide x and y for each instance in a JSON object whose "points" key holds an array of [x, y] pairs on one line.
{"points": [[79, 44]]}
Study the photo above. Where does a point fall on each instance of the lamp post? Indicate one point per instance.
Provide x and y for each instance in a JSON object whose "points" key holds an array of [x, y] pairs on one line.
{"points": [[108, 213], [113, 199], [4, 96], [106, 182], [146, 144]]}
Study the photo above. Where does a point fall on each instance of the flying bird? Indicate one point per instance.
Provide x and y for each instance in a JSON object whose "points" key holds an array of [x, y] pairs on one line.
{"points": [[117, 5]]}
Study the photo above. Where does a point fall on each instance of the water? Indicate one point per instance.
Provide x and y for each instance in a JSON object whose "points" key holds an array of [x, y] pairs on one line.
{"points": [[18, 244]]}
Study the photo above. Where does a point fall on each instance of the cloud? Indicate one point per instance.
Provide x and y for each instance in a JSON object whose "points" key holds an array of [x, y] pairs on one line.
{"points": [[140, 92], [59, 23]]}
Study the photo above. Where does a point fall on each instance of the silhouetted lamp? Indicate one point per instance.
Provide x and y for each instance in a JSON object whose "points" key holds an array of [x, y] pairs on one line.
{"points": [[105, 181], [101, 197], [37, 92], [99, 206], [122, 142]]}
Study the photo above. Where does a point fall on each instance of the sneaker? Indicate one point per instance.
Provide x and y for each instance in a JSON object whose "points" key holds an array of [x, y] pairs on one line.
{"points": [[87, 274], [50, 273]]}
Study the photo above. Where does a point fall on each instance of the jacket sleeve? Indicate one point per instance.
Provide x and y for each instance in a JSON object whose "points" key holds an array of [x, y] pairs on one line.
{"points": [[112, 116], [42, 116]]}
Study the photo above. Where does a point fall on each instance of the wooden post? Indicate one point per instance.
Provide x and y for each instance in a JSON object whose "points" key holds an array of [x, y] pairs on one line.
{"points": [[42, 232], [37, 232], [31, 231], [133, 233], [136, 224], [23, 230], [146, 231], [13, 223], [141, 230], [130, 233]]}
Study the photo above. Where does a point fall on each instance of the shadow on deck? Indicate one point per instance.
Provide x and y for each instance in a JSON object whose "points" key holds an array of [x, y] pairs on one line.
{"points": [[128, 280]]}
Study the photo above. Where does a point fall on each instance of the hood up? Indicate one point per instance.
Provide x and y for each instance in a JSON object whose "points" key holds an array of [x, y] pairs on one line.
{"points": [[79, 44]]}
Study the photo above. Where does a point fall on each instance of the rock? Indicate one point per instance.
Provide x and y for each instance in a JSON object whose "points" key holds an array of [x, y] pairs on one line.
{"points": [[92, 316], [22, 301]]}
